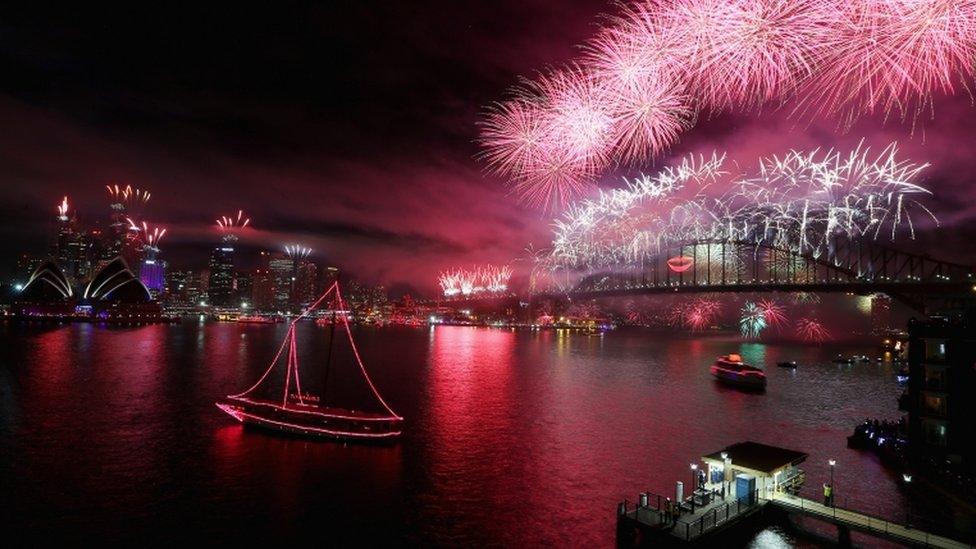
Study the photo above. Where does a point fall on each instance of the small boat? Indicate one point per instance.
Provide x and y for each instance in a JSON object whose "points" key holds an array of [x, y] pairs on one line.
{"points": [[300, 413], [731, 370], [787, 364], [843, 360], [255, 319]]}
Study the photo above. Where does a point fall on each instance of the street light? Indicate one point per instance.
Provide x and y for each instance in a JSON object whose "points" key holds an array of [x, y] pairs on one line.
{"points": [[833, 492], [694, 469], [726, 462], [907, 477]]}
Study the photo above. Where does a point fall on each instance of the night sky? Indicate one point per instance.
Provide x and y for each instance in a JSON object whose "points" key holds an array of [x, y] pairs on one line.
{"points": [[349, 127]]}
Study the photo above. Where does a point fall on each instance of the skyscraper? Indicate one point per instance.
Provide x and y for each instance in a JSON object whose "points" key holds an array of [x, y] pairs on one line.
{"points": [[262, 290], [305, 288], [220, 289], [283, 272]]}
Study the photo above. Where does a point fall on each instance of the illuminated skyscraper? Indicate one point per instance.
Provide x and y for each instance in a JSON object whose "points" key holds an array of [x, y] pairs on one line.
{"points": [[282, 270]]}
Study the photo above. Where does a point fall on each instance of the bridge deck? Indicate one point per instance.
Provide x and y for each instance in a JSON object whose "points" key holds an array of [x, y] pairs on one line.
{"points": [[861, 522]]}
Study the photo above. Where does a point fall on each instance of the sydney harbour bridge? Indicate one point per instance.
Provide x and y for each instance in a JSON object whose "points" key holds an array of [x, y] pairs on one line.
{"points": [[861, 267]]}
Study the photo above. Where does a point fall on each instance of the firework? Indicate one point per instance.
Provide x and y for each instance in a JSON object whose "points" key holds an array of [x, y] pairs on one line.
{"points": [[773, 313], [297, 251], [752, 321], [805, 298], [800, 203], [466, 282], [152, 236], [645, 75], [63, 209], [226, 222], [811, 330], [128, 197], [746, 53], [702, 313], [893, 55]]}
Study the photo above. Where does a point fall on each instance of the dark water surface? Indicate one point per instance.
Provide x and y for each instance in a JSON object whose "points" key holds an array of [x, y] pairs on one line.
{"points": [[512, 438]]}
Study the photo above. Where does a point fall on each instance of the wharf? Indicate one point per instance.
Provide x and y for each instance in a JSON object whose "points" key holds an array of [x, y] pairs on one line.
{"points": [[765, 479]]}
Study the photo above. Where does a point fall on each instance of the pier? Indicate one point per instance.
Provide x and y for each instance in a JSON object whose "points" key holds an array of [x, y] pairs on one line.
{"points": [[766, 481]]}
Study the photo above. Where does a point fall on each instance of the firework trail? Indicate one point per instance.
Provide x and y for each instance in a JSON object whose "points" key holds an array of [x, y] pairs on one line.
{"points": [[811, 330], [467, 282], [152, 236], [230, 222], [800, 203], [752, 321], [63, 209], [805, 298], [128, 198], [297, 251], [645, 76], [230, 226]]}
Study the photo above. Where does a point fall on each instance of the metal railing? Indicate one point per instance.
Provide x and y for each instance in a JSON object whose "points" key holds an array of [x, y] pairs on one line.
{"points": [[925, 531], [714, 517]]}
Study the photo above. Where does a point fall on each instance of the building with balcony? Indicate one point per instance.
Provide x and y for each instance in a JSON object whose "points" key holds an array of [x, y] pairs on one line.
{"points": [[942, 381]]}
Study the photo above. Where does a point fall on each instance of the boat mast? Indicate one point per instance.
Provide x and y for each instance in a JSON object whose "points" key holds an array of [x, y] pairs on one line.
{"points": [[328, 357]]}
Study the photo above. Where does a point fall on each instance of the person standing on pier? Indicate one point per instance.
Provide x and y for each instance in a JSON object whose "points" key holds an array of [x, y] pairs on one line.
{"points": [[828, 495]]}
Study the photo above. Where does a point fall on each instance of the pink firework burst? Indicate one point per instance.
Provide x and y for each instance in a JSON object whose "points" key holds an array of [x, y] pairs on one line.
{"points": [[553, 179], [512, 136], [649, 115], [774, 313], [811, 330], [751, 52], [894, 55], [579, 116], [695, 315]]}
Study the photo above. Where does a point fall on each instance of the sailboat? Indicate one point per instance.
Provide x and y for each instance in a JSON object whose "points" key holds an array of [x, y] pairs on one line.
{"points": [[304, 414]]}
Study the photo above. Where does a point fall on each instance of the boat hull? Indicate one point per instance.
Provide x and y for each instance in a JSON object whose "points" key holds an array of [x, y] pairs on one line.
{"points": [[305, 422], [737, 379]]}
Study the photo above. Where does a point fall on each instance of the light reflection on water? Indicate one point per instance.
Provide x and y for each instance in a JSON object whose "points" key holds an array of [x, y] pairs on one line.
{"points": [[513, 437]]}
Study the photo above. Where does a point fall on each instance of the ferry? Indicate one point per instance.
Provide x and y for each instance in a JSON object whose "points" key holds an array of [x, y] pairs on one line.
{"points": [[731, 370], [258, 319]]}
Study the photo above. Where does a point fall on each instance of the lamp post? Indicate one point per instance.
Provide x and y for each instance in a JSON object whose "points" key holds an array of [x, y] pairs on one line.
{"points": [[907, 477], [726, 487], [694, 471], [833, 492]]}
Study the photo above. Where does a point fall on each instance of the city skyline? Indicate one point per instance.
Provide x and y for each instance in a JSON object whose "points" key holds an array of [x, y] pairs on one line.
{"points": [[327, 180]]}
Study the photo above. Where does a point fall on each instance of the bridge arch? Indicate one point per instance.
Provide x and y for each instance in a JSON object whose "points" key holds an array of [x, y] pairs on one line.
{"points": [[737, 266]]}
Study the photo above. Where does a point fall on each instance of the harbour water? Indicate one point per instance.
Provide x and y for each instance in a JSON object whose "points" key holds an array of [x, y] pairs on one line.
{"points": [[512, 437]]}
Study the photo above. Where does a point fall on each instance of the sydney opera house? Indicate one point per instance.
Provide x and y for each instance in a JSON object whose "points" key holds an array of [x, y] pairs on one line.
{"points": [[112, 294]]}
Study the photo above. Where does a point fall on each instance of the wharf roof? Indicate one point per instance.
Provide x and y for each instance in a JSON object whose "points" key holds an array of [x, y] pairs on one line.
{"points": [[758, 457]]}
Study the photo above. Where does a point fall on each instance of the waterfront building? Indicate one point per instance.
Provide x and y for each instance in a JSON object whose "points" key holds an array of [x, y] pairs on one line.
{"points": [[942, 381], [775, 469], [113, 294]]}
